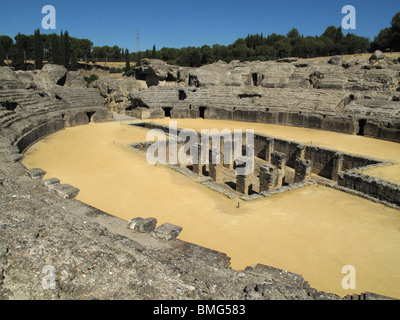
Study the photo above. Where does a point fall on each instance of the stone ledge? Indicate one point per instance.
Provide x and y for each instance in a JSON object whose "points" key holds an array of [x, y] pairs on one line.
{"points": [[142, 225], [51, 183], [65, 191], [167, 231], [36, 173]]}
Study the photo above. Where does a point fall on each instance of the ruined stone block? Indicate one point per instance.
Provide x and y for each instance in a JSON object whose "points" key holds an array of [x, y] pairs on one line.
{"points": [[268, 177], [269, 148], [279, 160], [167, 231], [65, 191], [303, 170], [337, 166], [215, 166], [243, 184], [198, 163], [51, 183], [142, 225], [300, 151], [36, 174]]}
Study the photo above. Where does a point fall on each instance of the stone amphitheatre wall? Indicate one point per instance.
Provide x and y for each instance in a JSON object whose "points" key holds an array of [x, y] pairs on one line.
{"points": [[36, 104], [352, 95], [38, 227], [371, 186]]}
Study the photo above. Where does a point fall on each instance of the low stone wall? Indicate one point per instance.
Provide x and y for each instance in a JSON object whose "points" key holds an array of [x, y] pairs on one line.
{"points": [[376, 188], [38, 133]]}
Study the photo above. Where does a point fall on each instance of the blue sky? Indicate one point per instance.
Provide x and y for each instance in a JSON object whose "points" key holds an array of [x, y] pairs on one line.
{"points": [[181, 23]]}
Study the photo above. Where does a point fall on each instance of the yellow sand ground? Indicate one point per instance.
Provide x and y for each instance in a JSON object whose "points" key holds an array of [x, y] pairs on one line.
{"points": [[313, 231]]}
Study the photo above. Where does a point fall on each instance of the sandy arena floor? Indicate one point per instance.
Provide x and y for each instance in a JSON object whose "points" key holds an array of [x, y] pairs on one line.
{"points": [[312, 231]]}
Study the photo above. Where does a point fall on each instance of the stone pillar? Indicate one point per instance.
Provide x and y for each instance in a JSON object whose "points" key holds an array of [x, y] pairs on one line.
{"points": [[227, 151], [337, 165], [198, 163], [179, 144], [300, 151], [269, 149], [215, 166], [303, 170], [279, 159], [268, 177], [242, 181]]}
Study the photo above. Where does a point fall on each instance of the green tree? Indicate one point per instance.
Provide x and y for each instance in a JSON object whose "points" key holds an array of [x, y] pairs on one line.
{"points": [[395, 32], [74, 62], [25, 44], [138, 58], [7, 44], [55, 49], [67, 51], [283, 48], [115, 54], [18, 59], [62, 49], [154, 53], [128, 63], [206, 55], [330, 33], [293, 33], [38, 44], [2, 56]]}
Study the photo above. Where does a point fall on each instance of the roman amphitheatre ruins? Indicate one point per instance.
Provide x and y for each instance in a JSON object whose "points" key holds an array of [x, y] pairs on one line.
{"points": [[78, 194]]}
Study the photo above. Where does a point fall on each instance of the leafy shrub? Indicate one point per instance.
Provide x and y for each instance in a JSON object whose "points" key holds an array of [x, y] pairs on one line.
{"points": [[116, 70], [130, 73], [92, 78]]}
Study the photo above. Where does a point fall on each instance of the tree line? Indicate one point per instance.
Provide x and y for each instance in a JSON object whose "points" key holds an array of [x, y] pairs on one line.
{"points": [[67, 51]]}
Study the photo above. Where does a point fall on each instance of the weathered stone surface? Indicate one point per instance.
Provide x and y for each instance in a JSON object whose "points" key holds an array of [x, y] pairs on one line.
{"points": [[377, 55], [65, 191], [36, 173], [142, 225], [93, 253], [335, 60], [116, 91], [51, 183], [318, 94], [167, 231]]}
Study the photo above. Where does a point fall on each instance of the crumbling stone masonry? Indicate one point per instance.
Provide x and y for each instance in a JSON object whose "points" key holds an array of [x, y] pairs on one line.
{"points": [[215, 166], [337, 166], [198, 165], [243, 183], [268, 177], [279, 159], [303, 170]]}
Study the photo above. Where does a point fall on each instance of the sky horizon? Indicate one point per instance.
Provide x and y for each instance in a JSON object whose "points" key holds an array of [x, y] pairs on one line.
{"points": [[179, 23]]}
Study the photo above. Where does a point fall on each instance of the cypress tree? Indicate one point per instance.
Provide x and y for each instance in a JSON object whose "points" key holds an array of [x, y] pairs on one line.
{"points": [[55, 49], [18, 59], [128, 64], [62, 49], [138, 59], [38, 46], [154, 52], [2, 55], [67, 48], [74, 63]]}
